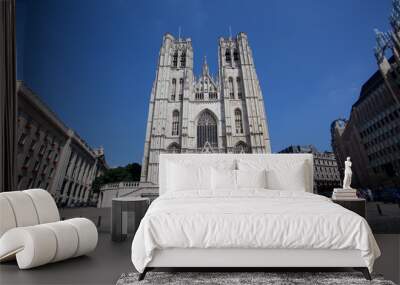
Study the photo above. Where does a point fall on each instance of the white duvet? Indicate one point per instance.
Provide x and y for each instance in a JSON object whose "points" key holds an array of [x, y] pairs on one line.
{"points": [[253, 218]]}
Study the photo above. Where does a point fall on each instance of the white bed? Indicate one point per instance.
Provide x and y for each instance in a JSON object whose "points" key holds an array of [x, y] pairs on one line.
{"points": [[213, 211]]}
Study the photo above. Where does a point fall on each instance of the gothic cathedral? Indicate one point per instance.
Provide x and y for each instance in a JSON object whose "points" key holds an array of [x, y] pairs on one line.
{"points": [[205, 114]]}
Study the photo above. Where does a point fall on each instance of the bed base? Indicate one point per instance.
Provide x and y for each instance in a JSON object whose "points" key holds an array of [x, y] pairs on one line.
{"points": [[251, 259], [363, 270]]}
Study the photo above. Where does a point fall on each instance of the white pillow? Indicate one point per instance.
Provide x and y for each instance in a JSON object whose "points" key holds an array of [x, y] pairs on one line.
{"points": [[188, 177], [292, 178], [282, 174], [223, 179], [251, 178]]}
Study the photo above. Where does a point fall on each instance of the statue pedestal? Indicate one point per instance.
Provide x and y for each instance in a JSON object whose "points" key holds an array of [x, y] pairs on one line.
{"points": [[340, 193], [344, 190]]}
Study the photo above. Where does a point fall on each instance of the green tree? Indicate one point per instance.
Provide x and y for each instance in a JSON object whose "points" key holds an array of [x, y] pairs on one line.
{"points": [[129, 172]]}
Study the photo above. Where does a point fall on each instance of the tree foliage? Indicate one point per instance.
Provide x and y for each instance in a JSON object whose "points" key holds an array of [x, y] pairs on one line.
{"points": [[130, 172]]}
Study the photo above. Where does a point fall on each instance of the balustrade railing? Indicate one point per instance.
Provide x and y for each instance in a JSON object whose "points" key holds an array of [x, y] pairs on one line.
{"points": [[120, 185]]}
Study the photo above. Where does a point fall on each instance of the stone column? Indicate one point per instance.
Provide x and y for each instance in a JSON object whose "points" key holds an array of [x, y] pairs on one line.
{"points": [[60, 170]]}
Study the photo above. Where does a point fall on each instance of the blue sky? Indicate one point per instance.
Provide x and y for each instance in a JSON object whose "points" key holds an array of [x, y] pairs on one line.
{"points": [[93, 62]]}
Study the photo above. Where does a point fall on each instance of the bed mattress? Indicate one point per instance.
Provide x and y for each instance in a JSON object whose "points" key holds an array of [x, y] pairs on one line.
{"points": [[250, 219]]}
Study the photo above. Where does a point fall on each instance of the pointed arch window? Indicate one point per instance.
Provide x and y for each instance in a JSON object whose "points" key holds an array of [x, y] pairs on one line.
{"points": [[175, 59], [239, 87], [230, 85], [238, 121], [213, 95], [207, 130], [228, 55], [241, 147], [199, 96], [183, 59], [235, 55], [180, 89], [173, 89], [175, 123], [174, 148]]}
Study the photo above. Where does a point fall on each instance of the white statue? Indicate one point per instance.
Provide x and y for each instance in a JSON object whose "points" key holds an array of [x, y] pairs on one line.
{"points": [[347, 174]]}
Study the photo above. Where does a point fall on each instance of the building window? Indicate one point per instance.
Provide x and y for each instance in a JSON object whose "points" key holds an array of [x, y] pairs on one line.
{"points": [[63, 186], [241, 147], [199, 96], [239, 87], [49, 154], [207, 130], [30, 183], [235, 55], [175, 123], [213, 95], [33, 145], [238, 121], [175, 59], [173, 91], [180, 88], [36, 167], [42, 149], [69, 164], [22, 139], [174, 148], [26, 162], [183, 59], [228, 55], [230, 85]]}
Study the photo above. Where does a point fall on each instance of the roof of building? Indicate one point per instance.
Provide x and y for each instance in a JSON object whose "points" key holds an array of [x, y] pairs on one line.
{"points": [[371, 84], [52, 117]]}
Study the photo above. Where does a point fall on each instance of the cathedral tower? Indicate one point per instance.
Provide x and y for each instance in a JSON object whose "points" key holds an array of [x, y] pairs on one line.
{"points": [[242, 96], [204, 114]]}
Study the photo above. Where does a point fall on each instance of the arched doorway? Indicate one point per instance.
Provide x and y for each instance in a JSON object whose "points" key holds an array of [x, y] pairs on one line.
{"points": [[207, 131]]}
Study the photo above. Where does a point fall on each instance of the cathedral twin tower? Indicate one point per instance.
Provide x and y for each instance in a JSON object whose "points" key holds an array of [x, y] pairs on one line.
{"points": [[204, 114]]}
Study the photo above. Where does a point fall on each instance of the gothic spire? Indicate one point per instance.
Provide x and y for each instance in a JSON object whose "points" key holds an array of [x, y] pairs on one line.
{"points": [[205, 67]]}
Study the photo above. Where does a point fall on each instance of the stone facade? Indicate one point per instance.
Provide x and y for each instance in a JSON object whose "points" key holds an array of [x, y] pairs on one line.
{"points": [[189, 114], [326, 173], [371, 136], [52, 156]]}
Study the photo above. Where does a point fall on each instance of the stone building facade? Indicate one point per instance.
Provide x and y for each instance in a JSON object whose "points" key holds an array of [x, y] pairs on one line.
{"points": [[371, 135], [52, 156], [326, 173], [189, 114]]}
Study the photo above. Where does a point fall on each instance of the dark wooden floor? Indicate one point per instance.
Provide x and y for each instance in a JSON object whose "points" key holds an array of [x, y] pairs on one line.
{"points": [[110, 259], [103, 266]]}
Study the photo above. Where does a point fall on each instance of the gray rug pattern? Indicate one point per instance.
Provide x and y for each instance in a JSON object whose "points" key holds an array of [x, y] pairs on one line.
{"points": [[269, 278]]}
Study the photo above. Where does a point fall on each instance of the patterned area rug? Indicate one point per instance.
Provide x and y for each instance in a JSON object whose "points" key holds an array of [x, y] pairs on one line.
{"points": [[229, 278]]}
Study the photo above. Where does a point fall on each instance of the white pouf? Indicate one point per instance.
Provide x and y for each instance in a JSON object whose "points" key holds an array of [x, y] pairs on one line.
{"points": [[31, 232]]}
